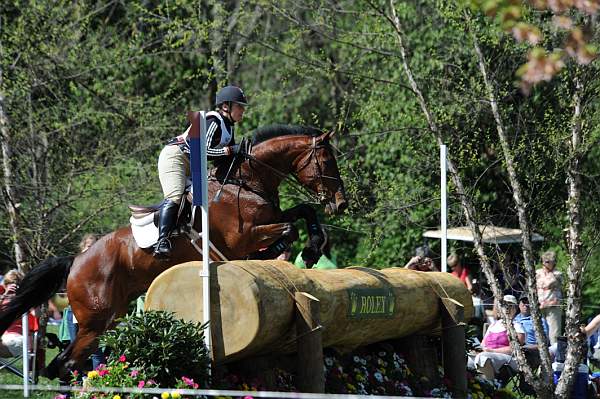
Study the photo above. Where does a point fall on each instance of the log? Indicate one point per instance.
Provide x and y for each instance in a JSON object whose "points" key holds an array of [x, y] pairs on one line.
{"points": [[255, 312]]}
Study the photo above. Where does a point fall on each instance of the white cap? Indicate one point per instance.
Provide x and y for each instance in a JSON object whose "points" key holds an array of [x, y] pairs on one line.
{"points": [[510, 299]]}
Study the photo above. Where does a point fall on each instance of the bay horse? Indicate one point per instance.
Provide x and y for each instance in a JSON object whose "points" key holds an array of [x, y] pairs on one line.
{"points": [[245, 223]]}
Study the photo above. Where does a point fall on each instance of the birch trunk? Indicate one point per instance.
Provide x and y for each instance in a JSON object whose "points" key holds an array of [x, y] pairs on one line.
{"points": [[9, 194], [575, 343], [542, 386], [543, 389]]}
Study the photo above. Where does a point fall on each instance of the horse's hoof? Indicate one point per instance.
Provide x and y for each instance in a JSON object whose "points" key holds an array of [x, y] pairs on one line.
{"points": [[310, 257]]}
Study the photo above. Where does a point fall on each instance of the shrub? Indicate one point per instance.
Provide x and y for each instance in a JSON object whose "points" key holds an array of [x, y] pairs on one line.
{"points": [[164, 347]]}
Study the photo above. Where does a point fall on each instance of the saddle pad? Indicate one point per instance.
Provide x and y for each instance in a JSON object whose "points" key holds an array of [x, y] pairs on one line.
{"points": [[144, 231]]}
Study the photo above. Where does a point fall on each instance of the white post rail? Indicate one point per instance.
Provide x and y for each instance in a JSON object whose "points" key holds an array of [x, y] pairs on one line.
{"points": [[25, 324], [198, 166], [444, 206], [205, 238]]}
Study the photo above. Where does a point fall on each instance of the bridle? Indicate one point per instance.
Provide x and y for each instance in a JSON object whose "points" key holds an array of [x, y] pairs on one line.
{"points": [[321, 194], [317, 196]]}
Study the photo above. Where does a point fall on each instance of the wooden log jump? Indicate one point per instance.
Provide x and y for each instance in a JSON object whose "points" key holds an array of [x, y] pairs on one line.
{"points": [[254, 303]]}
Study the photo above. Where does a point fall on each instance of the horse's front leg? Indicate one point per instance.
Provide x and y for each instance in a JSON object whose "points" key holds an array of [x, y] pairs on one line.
{"points": [[269, 240], [316, 239]]}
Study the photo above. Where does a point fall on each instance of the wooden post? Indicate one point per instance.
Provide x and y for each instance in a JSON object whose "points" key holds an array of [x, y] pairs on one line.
{"points": [[311, 375], [421, 358], [453, 345]]}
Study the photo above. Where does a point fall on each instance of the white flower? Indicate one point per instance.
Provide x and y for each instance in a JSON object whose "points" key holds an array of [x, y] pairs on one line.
{"points": [[382, 354], [356, 359], [329, 361], [378, 376]]}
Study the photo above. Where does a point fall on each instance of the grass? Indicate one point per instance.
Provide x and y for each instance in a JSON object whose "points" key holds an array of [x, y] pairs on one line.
{"points": [[6, 377]]}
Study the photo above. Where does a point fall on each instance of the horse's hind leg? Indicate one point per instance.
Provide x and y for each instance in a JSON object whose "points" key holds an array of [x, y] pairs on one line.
{"points": [[54, 368], [78, 352]]}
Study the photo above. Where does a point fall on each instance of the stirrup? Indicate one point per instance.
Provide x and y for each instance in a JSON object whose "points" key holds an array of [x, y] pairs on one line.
{"points": [[163, 248]]}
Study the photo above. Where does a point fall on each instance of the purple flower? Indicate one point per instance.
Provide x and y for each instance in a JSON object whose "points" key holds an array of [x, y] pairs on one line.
{"points": [[134, 373]]}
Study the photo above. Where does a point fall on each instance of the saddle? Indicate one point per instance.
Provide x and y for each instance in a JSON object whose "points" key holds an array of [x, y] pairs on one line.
{"points": [[141, 215]]}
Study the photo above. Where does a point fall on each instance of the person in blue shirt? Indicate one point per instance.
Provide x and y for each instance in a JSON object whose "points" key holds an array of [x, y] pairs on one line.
{"points": [[524, 318]]}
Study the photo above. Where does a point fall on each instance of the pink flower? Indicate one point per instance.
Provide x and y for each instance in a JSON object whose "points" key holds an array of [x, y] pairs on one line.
{"points": [[102, 372], [122, 359], [248, 397], [189, 382], [151, 382], [75, 373], [141, 384], [60, 396], [134, 373]]}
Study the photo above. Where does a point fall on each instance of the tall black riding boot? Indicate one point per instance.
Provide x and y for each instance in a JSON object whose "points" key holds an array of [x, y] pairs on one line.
{"points": [[166, 223]]}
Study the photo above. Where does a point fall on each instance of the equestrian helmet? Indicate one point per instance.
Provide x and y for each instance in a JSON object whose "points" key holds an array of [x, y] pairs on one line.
{"points": [[231, 93]]}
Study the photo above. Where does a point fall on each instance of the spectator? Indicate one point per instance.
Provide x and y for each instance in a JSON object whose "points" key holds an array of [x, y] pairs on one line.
{"points": [[549, 287], [496, 349], [12, 338], [526, 321], [592, 326], [422, 261], [459, 271]]}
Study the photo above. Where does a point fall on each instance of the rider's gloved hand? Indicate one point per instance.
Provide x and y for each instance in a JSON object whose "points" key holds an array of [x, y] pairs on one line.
{"points": [[235, 149]]}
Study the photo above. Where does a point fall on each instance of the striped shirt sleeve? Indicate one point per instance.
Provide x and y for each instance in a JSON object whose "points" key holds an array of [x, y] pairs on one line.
{"points": [[213, 138]]}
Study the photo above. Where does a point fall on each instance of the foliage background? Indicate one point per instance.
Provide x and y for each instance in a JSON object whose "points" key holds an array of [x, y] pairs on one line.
{"points": [[93, 89]]}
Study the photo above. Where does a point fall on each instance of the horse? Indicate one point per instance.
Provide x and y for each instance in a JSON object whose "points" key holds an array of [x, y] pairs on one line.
{"points": [[245, 223]]}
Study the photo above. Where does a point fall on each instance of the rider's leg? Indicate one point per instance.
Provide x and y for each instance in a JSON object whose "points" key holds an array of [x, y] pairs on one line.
{"points": [[173, 169], [167, 219]]}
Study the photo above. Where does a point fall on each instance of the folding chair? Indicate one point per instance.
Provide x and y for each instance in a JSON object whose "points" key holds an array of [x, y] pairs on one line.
{"points": [[11, 363]]}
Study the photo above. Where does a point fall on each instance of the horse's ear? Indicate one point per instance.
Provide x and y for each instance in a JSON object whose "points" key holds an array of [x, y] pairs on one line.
{"points": [[327, 135]]}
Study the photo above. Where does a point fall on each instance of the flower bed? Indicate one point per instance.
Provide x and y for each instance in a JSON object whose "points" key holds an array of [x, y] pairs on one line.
{"points": [[137, 360]]}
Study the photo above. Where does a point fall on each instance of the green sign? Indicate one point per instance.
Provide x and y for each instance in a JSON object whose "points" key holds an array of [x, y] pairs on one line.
{"points": [[368, 303]]}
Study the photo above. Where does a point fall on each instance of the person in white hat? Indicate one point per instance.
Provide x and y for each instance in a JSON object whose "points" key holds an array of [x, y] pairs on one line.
{"points": [[496, 344]]}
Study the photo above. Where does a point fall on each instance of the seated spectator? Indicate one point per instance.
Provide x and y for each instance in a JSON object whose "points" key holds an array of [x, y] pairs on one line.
{"points": [[591, 332], [459, 271], [422, 261], [12, 338], [526, 321], [496, 349]]}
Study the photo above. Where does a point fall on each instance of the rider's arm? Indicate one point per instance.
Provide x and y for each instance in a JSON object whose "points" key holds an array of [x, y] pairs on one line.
{"points": [[213, 139]]}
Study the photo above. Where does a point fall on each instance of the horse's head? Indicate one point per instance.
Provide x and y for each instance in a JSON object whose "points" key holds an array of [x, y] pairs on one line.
{"points": [[317, 169]]}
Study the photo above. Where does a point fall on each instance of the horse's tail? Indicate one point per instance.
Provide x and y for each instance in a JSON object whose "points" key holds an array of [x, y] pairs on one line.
{"points": [[37, 287]]}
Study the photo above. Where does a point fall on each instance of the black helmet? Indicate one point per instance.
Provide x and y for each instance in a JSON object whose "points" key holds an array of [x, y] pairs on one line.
{"points": [[231, 93]]}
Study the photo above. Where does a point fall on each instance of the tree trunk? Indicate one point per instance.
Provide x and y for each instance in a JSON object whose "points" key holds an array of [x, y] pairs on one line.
{"points": [[256, 305], [575, 346], [9, 194], [542, 386]]}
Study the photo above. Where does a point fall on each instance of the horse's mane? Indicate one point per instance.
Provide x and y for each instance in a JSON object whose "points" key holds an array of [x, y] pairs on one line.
{"points": [[271, 131]]}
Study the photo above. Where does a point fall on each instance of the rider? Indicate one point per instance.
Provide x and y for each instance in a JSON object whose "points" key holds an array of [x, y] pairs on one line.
{"points": [[174, 159]]}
